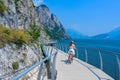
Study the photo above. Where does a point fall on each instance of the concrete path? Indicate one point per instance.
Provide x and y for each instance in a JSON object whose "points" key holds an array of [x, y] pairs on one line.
{"points": [[78, 70]]}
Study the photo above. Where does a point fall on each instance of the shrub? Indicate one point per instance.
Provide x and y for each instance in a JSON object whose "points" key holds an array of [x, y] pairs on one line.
{"points": [[14, 36], [2, 7], [15, 65], [20, 36], [1, 45], [54, 34], [5, 34], [22, 60], [16, 3], [34, 32]]}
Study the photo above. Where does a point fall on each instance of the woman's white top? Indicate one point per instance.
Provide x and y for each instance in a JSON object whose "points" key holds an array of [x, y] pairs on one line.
{"points": [[71, 49]]}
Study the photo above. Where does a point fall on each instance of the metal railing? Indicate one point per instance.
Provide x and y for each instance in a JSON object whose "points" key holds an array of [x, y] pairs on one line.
{"points": [[106, 60], [51, 56]]}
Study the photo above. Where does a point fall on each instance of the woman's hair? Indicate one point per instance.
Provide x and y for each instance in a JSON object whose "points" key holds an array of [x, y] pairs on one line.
{"points": [[71, 43]]}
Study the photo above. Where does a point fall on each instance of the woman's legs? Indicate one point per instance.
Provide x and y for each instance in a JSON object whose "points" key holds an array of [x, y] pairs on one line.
{"points": [[70, 56]]}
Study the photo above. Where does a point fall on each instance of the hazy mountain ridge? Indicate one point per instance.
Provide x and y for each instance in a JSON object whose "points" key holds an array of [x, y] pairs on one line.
{"points": [[114, 34]]}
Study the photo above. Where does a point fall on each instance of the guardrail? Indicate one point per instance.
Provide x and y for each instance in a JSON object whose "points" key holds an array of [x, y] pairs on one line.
{"points": [[51, 57], [107, 61]]}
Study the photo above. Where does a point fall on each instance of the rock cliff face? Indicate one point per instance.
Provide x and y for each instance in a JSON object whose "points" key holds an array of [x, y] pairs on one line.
{"points": [[24, 56], [51, 24], [20, 14]]}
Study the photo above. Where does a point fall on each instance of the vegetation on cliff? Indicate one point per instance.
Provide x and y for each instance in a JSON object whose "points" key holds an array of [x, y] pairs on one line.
{"points": [[2, 7], [54, 34], [16, 3], [19, 36]]}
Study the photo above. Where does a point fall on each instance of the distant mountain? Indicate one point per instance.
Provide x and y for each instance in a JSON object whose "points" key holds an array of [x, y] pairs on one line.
{"points": [[101, 36], [114, 34], [75, 34]]}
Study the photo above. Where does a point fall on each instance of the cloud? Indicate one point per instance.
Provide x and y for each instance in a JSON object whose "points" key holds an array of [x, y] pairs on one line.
{"points": [[37, 2]]}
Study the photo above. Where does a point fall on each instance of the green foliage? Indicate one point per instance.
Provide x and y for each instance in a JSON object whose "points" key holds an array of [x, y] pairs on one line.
{"points": [[2, 7], [4, 35], [34, 32], [33, 5], [22, 60], [19, 36], [1, 45], [15, 65], [54, 34], [13, 36], [16, 3]]}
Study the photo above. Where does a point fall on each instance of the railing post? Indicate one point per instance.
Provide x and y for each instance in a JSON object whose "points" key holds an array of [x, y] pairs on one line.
{"points": [[101, 61], [61, 47], [66, 49], [40, 70], [54, 73], [86, 55], [58, 46], [77, 53], [118, 62], [47, 49], [49, 62], [51, 51]]}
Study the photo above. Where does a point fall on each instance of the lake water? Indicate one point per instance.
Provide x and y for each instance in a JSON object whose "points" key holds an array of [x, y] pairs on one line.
{"points": [[109, 50]]}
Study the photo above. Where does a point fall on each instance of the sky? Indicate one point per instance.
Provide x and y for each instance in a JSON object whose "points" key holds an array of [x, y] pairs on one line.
{"points": [[89, 17]]}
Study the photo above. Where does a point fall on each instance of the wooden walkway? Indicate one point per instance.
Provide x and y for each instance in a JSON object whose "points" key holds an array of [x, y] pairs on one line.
{"points": [[78, 70]]}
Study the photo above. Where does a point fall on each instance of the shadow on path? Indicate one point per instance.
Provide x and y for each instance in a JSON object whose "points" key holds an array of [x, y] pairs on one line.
{"points": [[66, 61]]}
